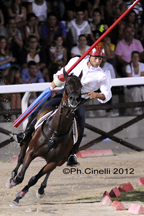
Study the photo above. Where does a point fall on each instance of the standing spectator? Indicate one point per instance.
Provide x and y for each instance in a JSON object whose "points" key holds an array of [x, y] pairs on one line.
{"points": [[125, 47], [76, 5], [31, 74], [81, 48], [5, 56], [58, 56], [19, 13], [40, 8], [33, 52], [51, 29], [12, 78], [78, 26], [98, 26], [13, 36], [32, 26], [135, 69]]}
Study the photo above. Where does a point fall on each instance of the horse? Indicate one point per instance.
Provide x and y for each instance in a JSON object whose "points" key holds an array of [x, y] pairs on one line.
{"points": [[53, 140]]}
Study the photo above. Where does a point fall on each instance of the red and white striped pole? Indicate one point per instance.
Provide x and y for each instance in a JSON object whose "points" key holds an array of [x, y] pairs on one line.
{"points": [[99, 39]]}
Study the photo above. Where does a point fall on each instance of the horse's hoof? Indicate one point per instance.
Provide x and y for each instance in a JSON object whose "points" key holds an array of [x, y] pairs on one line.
{"points": [[14, 204], [39, 196], [8, 183]]}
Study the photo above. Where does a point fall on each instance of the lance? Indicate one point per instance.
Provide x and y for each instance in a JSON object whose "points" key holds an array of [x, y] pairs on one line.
{"points": [[47, 92]]}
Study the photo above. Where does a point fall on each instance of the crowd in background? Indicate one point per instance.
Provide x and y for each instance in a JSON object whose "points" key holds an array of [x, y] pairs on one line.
{"points": [[38, 37]]}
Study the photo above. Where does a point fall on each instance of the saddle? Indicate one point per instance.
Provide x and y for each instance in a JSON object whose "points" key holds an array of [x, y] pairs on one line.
{"points": [[49, 115]]}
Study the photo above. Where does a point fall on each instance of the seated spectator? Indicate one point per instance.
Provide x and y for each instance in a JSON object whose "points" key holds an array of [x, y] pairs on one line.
{"points": [[31, 74], [33, 52], [73, 6], [98, 26], [130, 19], [95, 4], [13, 36], [32, 26], [58, 7], [13, 77], [135, 69], [40, 8], [78, 26], [19, 13], [5, 56], [58, 56], [137, 8], [113, 10], [81, 48], [1, 19], [51, 29], [124, 49], [109, 50]]}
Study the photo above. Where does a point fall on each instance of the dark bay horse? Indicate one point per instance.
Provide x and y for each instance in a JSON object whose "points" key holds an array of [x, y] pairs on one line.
{"points": [[53, 140]]}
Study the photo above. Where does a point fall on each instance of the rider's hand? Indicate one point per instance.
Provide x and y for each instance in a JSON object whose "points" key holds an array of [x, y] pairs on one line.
{"points": [[52, 86], [92, 95]]}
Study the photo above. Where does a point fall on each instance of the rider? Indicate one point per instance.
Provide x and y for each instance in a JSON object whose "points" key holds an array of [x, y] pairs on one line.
{"points": [[93, 79]]}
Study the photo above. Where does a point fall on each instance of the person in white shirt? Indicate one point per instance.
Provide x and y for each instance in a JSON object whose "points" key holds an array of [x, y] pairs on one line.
{"points": [[135, 69], [93, 79], [81, 48]]}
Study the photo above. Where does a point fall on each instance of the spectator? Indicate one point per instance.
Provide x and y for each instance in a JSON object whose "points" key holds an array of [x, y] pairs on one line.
{"points": [[5, 56], [19, 13], [137, 8], [32, 26], [78, 26], [13, 36], [125, 47], [130, 19], [77, 5], [33, 52], [51, 29], [1, 19], [95, 4], [58, 7], [81, 48], [135, 69], [31, 74], [40, 8], [58, 56], [113, 10], [98, 26], [109, 67], [109, 50], [12, 78]]}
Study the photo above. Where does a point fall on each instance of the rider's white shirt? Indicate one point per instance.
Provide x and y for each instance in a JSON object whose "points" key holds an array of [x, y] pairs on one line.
{"points": [[92, 79]]}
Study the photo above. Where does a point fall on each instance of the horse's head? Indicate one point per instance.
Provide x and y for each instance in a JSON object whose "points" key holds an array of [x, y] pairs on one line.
{"points": [[72, 89]]}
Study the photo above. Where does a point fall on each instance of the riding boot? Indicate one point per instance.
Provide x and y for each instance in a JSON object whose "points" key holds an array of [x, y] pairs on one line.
{"points": [[23, 137]]}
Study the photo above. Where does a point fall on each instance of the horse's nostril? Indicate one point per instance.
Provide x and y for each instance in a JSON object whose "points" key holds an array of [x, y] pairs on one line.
{"points": [[77, 99]]}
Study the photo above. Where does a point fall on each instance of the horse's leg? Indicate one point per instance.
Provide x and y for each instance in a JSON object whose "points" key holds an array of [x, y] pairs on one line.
{"points": [[20, 160], [47, 169], [19, 178], [40, 192]]}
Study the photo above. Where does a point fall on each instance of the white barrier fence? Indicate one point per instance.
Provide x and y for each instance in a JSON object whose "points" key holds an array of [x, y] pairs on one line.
{"points": [[39, 87]]}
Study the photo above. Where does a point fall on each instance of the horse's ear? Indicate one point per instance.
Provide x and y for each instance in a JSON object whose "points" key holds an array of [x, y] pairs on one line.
{"points": [[65, 74], [81, 74]]}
